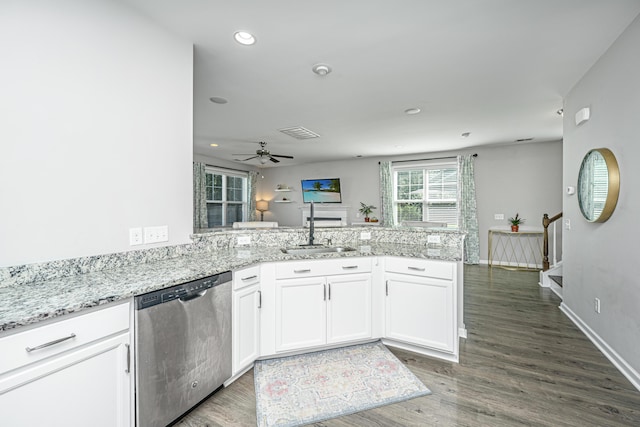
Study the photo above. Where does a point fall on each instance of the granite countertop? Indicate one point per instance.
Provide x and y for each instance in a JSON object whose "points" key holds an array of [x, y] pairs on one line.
{"points": [[26, 304]]}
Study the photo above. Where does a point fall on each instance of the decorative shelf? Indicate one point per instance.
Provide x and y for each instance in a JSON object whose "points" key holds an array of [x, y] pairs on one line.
{"points": [[282, 201], [279, 190]]}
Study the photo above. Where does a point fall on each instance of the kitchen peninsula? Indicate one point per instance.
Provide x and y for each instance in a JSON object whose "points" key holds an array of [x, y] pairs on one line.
{"points": [[400, 289]]}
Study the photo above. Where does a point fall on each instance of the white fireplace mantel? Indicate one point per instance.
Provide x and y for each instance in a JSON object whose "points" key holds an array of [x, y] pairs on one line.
{"points": [[326, 215]]}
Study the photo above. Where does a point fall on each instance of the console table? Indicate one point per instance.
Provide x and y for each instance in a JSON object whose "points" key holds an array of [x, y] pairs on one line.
{"points": [[521, 250]]}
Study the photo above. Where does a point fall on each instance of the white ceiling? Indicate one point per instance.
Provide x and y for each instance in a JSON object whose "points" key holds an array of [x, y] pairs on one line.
{"points": [[498, 69]]}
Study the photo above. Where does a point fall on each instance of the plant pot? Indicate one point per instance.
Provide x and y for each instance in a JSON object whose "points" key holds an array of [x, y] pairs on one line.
{"points": [[366, 219], [515, 228]]}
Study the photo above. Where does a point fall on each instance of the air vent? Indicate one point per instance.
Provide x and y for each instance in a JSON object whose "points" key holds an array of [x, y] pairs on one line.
{"points": [[524, 140], [298, 132]]}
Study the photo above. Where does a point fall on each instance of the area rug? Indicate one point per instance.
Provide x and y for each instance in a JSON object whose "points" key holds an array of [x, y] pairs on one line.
{"points": [[298, 390]]}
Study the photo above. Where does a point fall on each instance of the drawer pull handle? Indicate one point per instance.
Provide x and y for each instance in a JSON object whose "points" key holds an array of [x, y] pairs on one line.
{"points": [[304, 270], [349, 267], [259, 299], [250, 277], [416, 268], [50, 343]]}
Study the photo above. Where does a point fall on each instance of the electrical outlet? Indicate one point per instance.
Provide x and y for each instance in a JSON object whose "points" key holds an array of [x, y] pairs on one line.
{"points": [[135, 236], [244, 240], [596, 305], [156, 234], [567, 224], [365, 235], [498, 217]]}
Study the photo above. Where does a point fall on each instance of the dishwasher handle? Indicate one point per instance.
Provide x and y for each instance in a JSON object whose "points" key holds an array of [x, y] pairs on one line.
{"points": [[193, 296]]}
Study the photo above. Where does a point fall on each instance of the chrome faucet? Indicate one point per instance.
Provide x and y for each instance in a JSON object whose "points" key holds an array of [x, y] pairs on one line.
{"points": [[311, 224]]}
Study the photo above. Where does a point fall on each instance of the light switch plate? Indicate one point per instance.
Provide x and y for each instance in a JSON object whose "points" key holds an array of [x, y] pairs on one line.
{"points": [[365, 235], [156, 234], [244, 240], [498, 217]]}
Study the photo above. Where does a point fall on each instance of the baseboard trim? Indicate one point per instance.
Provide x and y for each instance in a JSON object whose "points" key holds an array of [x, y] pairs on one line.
{"points": [[627, 370], [422, 350]]}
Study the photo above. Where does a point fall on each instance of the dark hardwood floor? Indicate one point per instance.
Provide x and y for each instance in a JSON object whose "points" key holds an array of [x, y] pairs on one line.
{"points": [[523, 363]]}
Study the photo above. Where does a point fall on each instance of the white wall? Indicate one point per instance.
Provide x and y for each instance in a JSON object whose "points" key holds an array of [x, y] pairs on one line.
{"points": [[95, 129], [601, 259], [510, 179]]}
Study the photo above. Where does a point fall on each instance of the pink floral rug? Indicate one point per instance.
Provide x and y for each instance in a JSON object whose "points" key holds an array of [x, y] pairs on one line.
{"points": [[297, 390]]}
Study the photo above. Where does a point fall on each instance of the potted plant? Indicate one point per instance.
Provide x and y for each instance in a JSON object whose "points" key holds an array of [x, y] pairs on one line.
{"points": [[366, 210], [515, 222]]}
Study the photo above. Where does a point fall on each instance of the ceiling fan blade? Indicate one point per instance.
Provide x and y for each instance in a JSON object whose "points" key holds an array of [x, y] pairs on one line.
{"points": [[273, 159], [280, 155], [248, 158]]}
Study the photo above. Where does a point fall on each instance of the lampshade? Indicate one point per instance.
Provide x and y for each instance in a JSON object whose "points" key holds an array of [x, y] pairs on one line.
{"points": [[262, 205]]}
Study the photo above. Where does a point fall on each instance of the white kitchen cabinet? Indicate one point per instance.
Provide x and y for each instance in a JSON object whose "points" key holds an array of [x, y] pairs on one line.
{"points": [[313, 310], [348, 308], [300, 313], [82, 378], [247, 299], [420, 304]]}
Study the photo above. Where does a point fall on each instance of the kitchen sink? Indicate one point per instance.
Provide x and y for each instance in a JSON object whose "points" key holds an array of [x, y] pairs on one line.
{"points": [[303, 250]]}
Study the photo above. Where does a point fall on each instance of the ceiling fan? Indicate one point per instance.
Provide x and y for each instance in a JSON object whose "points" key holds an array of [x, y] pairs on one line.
{"points": [[263, 155]]}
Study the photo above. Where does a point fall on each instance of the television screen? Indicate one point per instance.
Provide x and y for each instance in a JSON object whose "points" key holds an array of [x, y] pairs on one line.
{"points": [[321, 190]]}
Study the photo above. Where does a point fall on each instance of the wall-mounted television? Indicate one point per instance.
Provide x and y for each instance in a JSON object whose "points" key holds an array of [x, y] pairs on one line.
{"points": [[321, 190]]}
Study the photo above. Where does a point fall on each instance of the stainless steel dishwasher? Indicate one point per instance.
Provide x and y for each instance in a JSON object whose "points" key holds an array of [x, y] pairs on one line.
{"points": [[183, 347]]}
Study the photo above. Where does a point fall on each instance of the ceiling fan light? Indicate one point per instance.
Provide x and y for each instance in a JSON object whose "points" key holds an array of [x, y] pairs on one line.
{"points": [[263, 160]]}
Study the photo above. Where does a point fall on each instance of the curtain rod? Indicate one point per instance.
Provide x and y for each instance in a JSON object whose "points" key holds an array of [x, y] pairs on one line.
{"points": [[224, 167], [433, 158]]}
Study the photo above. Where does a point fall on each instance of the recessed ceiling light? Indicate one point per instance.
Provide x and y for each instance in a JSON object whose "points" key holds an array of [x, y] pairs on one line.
{"points": [[412, 111], [218, 100], [244, 38], [214, 145], [321, 69]]}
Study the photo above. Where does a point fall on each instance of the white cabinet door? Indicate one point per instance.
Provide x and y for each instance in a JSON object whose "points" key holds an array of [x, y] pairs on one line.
{"points": [[87, 386], [246, 327], [420, 311], [300, 313], [348, 308]]}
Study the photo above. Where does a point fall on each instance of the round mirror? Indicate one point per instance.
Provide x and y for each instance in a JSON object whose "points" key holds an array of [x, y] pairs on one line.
{"points": [[598, 185]]}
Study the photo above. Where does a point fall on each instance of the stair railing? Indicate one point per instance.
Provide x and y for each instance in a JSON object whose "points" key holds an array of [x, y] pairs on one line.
{"points": [[546, 221]]}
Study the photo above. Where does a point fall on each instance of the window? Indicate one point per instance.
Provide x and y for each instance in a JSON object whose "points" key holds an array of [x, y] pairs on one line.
{"points": [[427, 192], [226, 197]]}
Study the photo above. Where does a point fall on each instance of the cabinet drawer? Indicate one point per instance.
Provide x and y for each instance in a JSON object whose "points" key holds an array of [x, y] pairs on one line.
{"points": [[420, 267], [328, 267], [246, 277], [61, 336]]}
